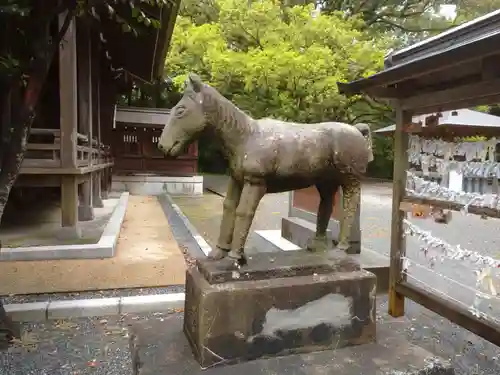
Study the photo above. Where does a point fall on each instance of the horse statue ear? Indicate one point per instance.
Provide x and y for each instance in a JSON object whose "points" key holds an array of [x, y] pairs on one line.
{"points": [[195, 82]]}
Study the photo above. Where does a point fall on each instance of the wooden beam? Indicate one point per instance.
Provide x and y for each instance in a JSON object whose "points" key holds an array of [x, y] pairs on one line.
{"points": [[65, 171], [398, 243], [452, 311], [68, 95], [38, 180], [486, 91]]}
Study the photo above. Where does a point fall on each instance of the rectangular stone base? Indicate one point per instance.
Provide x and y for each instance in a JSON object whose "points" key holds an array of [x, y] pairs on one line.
{"points": [[281, 303], [158, 347]]}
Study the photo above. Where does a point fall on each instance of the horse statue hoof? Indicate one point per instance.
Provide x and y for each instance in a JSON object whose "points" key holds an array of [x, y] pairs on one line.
{"points": [[217, 253], [348, 248], [239, 258], [317, 245]]}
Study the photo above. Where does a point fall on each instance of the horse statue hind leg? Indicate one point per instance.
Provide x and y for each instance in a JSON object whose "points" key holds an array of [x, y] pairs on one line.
{"points": [[351, 196], [327, 191]]}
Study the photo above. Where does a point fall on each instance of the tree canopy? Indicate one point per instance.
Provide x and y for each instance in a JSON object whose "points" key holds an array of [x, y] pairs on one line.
{"points": [[278, 61]]}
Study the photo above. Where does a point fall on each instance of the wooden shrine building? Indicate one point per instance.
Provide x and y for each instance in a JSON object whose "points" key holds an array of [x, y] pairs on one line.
{"points": [[71, 141], [135, 145]]}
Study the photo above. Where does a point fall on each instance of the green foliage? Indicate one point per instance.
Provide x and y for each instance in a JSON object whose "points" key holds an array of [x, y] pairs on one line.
{"points": [[281, 62], [470, 9], [277, 62]]}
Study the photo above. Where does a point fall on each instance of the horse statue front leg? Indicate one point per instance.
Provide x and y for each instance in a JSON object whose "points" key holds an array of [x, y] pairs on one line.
{"points": [[351, 191], [251, 195], [228, 218]]}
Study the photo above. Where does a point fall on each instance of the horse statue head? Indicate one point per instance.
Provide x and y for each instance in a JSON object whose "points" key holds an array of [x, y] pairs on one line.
{"points": [[186, 120]]}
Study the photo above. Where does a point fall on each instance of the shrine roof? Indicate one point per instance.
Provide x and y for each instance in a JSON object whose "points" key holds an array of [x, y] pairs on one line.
{"points": [[460, 117], [143, 55], [140, 116]]}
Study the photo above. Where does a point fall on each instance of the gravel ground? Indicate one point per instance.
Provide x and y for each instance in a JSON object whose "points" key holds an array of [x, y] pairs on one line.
{"points": [[97, 346]]}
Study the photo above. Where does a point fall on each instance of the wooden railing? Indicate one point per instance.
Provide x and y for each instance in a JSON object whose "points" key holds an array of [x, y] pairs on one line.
{"points": [[44, 150]]}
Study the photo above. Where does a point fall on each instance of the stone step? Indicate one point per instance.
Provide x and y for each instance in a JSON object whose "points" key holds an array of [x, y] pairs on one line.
{"points": [[160, 348]]}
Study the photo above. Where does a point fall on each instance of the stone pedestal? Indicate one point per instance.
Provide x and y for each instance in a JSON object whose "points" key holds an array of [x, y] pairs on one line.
{"points": [[281, 303]]}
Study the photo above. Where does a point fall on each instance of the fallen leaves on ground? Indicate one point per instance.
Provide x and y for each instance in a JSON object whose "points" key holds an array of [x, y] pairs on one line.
{"points": [[28, 340]]}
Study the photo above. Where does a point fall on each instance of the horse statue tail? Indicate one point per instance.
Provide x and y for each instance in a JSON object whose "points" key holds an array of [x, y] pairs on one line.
{"points": [[365, 130]]}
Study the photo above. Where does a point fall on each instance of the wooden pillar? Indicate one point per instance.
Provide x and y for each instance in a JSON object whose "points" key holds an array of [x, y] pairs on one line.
{"points": [[96, 189], [103, 179], [95, 74], [85, 209], [398, 243], [68, 125], [107, 99]]}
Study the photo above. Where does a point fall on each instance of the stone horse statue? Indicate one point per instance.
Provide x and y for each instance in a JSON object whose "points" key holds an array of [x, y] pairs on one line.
{"points": [[271, 156]]}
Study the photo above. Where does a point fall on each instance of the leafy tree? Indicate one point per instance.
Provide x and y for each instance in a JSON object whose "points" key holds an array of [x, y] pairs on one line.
{"points": [[469, 9], [269, 64], [283, 62]]}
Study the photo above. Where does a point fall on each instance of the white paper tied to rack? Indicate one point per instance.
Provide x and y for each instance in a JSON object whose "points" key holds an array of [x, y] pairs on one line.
{"points": [[420, 188], [430, 153], [485, 281]]}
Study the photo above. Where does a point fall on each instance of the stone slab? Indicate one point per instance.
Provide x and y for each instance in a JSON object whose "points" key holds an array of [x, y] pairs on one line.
{"points": [[245, 320], [263, 266], [160, 348]]}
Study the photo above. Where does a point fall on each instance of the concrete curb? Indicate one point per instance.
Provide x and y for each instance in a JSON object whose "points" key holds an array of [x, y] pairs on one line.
{"points": [[204, 246], [105, 248], [80, 308]]}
